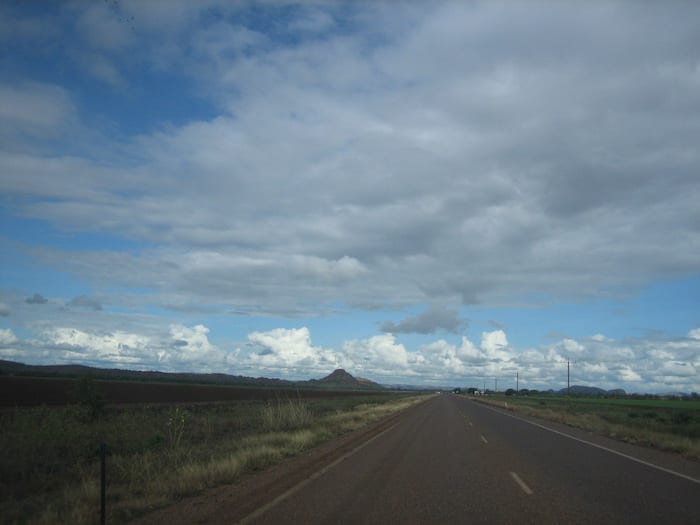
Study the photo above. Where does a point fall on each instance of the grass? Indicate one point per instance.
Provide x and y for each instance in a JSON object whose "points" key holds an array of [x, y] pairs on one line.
{"points": [[668, 425], [49, 469], [286, 415]]}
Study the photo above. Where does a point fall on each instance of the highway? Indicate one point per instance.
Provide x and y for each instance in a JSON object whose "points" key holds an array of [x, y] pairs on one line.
{"points": [[452, 460]]}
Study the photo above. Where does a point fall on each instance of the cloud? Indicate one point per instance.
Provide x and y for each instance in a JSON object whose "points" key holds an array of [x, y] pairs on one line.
{"points": [[83, 301], [661, 364], [103, 69], [515, 202], [290, 350], [192, 345], [105, 27], [7, 337], [178, 348], [117, 347], [496, 325], [358, 157], [34, 110], [36, 299], [4, 310], [428, 322], [381, 354]]}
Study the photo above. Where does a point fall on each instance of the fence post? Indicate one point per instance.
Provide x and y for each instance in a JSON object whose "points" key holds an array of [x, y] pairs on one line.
{"points": [[103, 483]]}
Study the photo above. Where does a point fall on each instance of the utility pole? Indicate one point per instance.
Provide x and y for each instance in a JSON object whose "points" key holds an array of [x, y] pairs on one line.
{"points": [[516, 382], [495, 384], [568, 378]]}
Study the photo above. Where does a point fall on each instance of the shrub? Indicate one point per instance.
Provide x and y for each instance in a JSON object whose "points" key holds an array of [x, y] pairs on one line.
{"points": [[87, 396]]}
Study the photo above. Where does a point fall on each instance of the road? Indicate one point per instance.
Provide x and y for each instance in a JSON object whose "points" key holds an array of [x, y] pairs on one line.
{"points": [[452, 460]]}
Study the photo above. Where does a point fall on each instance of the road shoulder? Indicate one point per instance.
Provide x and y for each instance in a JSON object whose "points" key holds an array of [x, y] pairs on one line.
{"points": [[663, 459], [231, 503]]}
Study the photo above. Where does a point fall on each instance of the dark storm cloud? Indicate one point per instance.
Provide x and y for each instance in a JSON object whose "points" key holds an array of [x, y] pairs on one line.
{"points": [[36, 299], [83, 301], [428, 322]]}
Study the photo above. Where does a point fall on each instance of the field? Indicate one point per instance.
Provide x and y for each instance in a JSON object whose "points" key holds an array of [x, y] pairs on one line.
{"points": [[672, 425], [159, 452], [35, 391]]}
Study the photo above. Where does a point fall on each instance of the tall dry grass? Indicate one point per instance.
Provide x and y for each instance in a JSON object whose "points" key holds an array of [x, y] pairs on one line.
{"points": [[157, 455]]}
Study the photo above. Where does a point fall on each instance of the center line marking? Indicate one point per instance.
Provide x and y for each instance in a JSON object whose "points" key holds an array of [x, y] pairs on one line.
{"points": [[471, 424], [527, 490], [483, 439]]}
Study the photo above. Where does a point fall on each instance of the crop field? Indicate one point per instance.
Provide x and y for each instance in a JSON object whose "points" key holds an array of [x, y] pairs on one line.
{"points": [[158, 453], [672, 425], [36, 391]]}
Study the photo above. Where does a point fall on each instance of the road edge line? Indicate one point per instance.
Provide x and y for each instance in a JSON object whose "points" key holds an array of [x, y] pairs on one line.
{"points": [[612, 451], [279, 499]]}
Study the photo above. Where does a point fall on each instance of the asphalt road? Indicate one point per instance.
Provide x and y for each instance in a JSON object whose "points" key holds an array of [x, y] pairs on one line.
{"points": [[451, 460]]}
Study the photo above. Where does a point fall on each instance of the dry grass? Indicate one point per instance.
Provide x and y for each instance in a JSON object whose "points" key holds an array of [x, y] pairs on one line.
{"points": [[286, 415], [592, 421], [158, 457]]}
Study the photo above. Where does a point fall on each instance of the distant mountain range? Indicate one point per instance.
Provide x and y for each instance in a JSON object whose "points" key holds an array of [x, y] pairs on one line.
{"points": [[580, 390], [337, 380]]}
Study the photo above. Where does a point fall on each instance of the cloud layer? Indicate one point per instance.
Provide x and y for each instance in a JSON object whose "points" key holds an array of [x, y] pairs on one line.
{"points": [[441, 162], [187, 159], [663, 365]]}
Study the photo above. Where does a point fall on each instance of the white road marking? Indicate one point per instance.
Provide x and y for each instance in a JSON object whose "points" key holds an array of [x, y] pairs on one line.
{"points": [[471, 424], [612, 451], [527, 490], [483, 439], [260, 511]]}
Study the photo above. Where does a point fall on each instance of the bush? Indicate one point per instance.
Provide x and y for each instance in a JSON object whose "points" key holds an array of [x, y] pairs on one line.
{"points": [[87, 396]]}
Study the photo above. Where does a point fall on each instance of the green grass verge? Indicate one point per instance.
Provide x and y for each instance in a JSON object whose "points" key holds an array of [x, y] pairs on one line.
{"points": [[157, 454], [673, 426]]}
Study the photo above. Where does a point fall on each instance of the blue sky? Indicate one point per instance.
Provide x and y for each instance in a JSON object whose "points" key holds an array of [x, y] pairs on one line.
{"points": [[433, 193]]}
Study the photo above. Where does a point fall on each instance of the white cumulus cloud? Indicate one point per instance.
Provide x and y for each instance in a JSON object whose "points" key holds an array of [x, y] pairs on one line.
{"points": [[7, 337]]}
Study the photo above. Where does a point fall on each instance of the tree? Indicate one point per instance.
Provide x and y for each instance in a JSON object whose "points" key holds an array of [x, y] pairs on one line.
{"points": [[510, 392]]}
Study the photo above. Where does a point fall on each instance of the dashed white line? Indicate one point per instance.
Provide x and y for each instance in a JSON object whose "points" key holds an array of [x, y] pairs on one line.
{"points": [[471, 424], [601, 447], [527, 490], [484, 439]]}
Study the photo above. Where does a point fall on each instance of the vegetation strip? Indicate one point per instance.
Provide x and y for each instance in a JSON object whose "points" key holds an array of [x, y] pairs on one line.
{"points": [[256, 490], [158, 454]]}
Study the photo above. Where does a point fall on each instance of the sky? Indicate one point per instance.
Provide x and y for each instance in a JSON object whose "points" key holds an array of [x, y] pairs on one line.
{"points": [[427, 193]]}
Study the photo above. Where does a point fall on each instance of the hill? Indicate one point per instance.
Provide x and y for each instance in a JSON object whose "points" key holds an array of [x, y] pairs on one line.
{"points": [[339, 379], [581, 390]]}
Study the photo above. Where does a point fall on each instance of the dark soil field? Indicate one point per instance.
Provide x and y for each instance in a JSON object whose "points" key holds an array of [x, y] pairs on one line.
{"points": [[20, 391]]}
